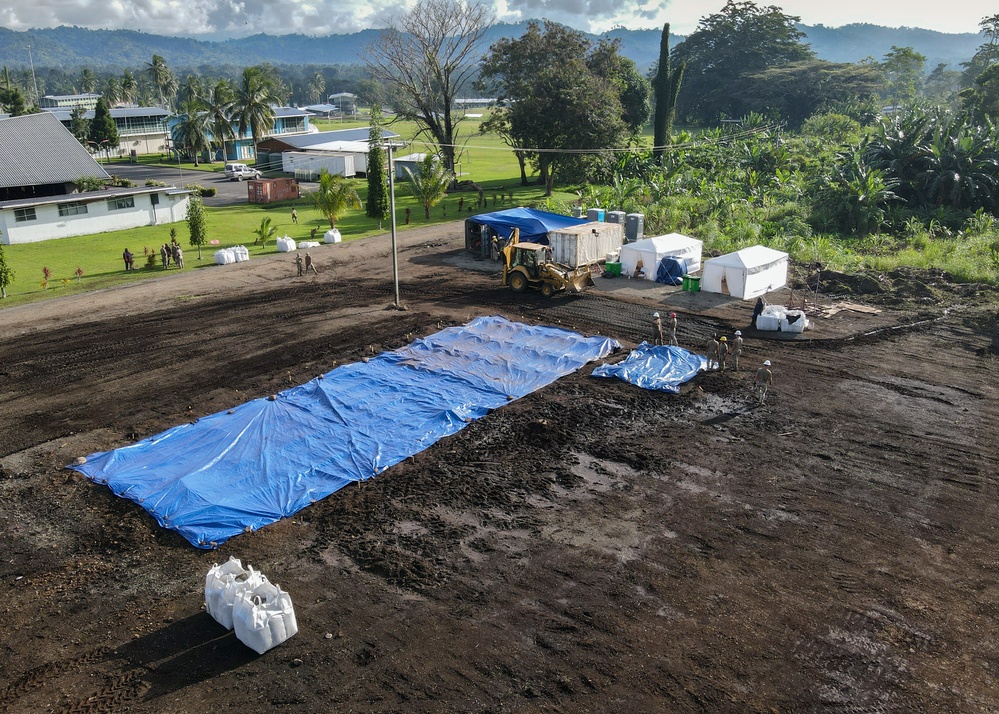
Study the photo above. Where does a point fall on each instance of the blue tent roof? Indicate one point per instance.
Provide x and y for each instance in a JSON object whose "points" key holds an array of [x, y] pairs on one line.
{"points": [[240, 469], [534, 225]]}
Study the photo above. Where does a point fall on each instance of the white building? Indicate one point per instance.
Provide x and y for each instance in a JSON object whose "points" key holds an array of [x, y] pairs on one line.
{"points": [[40, 162]]}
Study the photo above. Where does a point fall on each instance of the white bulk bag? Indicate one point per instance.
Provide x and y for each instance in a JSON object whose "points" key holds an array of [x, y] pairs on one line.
{"points": [[241, 253], [224, 257], [223, 583], [332, 236], [285, 245], [263, 617]]}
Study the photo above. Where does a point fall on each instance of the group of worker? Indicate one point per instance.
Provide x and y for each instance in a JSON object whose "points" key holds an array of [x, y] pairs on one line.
{"points": [[720, 352]]}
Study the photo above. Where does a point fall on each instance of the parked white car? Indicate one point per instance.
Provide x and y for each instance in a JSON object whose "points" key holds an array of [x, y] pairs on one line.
{"points": [[238, 172]]}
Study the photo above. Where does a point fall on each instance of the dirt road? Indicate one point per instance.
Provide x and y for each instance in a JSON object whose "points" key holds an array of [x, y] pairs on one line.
{"points": [[590, 548]]}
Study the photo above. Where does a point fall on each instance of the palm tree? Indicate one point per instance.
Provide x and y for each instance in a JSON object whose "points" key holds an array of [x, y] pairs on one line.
{"points": [[265, 232], [430, 182], [111, 90], [334, 197], [220, 102], [317, 85], [192, 133], [88, 82], [161, 77], [253, 101], [190, 89], [129, 87]]}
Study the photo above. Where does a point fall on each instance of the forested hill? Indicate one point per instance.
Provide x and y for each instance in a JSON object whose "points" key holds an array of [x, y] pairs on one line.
{"points": [[75, 47]]}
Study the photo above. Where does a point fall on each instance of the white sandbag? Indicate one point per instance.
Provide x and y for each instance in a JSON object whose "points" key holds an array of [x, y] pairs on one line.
{"points": [[240, 253], [286, 245], [224, 257], [332, 236], [309, 244], [223, 583], [794, 321], [263, 617]]}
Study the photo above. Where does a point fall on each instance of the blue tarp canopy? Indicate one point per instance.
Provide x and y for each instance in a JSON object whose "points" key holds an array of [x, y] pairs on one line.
{"points": [[671, 270], [662, 368], [534, 225], [241, 469]]}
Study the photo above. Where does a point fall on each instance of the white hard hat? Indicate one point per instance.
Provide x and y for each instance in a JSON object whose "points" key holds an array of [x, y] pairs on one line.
{"points": [[655, 314], [767, 363], [739, 333]]}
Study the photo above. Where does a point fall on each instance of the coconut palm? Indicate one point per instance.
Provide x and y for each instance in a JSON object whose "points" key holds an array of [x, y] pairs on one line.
{"points": [[334, 197], [191, 134], [430, 182], [220, 102], [254, 97], [162, 78], [88, 82], [111, 90], [317, 85], [129, 87]]}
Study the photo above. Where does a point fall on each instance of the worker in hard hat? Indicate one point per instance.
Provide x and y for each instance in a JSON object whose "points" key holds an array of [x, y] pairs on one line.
{"points": [[764, 379], [735, 350], [671, 329], [713, 345], [722, 352], [657, 333]]}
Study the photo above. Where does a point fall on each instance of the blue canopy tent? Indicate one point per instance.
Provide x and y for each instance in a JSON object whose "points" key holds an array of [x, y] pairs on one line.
{"points": [[534, 227]]}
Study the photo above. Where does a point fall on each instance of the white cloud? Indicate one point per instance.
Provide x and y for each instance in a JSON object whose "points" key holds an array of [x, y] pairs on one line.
{"points": [[325, 17]]}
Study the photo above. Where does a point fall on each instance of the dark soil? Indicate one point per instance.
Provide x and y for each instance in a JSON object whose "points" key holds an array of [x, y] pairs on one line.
{"points": [[589, 548]]}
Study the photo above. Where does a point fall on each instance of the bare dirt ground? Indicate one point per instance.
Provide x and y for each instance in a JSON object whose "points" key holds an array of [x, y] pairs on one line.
{"points": [[590, 548]]}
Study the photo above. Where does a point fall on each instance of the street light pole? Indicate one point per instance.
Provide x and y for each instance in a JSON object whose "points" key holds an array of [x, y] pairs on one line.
{"points": [[395, 247]]}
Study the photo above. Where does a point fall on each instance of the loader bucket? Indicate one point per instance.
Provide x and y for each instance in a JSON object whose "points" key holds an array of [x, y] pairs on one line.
{"points": [[578, 281]]}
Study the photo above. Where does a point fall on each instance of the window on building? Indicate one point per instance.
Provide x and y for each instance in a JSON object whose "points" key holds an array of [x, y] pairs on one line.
{"points": [[24, 214], [72, 209], [117, 204]]}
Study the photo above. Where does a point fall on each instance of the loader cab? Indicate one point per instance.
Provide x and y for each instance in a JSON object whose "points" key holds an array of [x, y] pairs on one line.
{"points": [[529, 255]]}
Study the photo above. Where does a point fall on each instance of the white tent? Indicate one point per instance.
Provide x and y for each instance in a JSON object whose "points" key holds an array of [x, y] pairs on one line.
{"points": [[746, 273], [652, 250]]}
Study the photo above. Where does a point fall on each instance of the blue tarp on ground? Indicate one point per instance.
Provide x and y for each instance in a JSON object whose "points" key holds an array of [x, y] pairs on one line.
{"points": [[241, 469], [534, 225], [655, 367]]}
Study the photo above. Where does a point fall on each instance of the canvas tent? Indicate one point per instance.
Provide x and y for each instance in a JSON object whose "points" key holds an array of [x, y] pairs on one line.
{"points": [[745, 274], [652, 250]]}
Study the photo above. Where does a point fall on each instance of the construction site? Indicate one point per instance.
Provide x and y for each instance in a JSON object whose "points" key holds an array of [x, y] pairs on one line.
{"points": [[581, 545]]}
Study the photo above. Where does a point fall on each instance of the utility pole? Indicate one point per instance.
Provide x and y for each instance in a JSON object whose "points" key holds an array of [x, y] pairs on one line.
{"points": [[395, 249], [33, 80]]}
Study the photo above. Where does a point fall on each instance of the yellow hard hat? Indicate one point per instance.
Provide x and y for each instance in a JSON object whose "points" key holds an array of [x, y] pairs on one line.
{"points": [[724, 339]]}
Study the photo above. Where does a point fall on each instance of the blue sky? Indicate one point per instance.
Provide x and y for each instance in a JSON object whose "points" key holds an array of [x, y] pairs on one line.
{"points": [[236, 18]]}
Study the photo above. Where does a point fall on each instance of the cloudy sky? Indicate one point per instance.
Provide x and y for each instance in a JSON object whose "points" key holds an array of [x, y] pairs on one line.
{"points": [[236, 18]]}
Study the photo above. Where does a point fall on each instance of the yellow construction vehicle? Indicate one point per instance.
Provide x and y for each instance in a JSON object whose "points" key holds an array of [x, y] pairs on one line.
{"points": [[527, 265]]}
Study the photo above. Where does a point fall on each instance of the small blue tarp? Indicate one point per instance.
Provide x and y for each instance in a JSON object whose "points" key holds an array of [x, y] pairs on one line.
{"points": [[534, 225], [242, 469], [671, 270], [662, 368]]}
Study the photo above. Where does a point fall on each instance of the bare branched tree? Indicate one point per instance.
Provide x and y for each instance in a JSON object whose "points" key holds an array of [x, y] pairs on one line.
{"points": [[426, 59]]}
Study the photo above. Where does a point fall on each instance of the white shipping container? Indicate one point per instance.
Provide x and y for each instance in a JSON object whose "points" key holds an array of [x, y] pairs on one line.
{"points": [[300, 163], [586, 244]]}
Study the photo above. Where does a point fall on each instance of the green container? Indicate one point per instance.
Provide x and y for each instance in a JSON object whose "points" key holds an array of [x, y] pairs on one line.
{"points": [[685, 285], [612, 269], [695, 284]]}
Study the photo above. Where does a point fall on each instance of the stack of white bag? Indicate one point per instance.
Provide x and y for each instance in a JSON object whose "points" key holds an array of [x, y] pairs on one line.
{"points": [[286, 244], [236, 254], [244, 600], [779, 319]]}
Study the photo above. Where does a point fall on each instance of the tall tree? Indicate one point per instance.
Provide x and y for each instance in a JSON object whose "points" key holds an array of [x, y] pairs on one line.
{"points": [[558, 102], [376, 204], [252, 103], [903, 75], [79, 125], [190, 89], [426, 60], [129, 87], [192, 133], [111, 90], [12, 101], [196, 223], [429, 183], [740, 40], [334, 196], [317, 86], [220, 103], [987, 55], [162, 78], [88, 82], [102, 133], [666, 87]]}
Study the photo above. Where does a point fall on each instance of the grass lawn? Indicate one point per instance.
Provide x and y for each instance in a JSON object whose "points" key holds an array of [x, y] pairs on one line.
{"points": [[486, 160]]}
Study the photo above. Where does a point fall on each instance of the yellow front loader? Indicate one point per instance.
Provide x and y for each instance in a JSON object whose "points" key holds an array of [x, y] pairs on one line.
{"points": [[527, 265]]}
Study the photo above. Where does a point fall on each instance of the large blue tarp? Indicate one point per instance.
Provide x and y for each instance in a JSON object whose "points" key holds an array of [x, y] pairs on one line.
{"points": [[671, 270], [662, 368], [242, 469], [534, 225]]}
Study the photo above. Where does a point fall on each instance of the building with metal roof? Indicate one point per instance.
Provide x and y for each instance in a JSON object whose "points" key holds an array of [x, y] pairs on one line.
{"points": [[40, 163], [142, 130]]}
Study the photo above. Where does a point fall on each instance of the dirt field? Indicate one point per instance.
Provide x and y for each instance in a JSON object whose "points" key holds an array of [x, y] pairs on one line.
{"points": [[590, 548]]}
